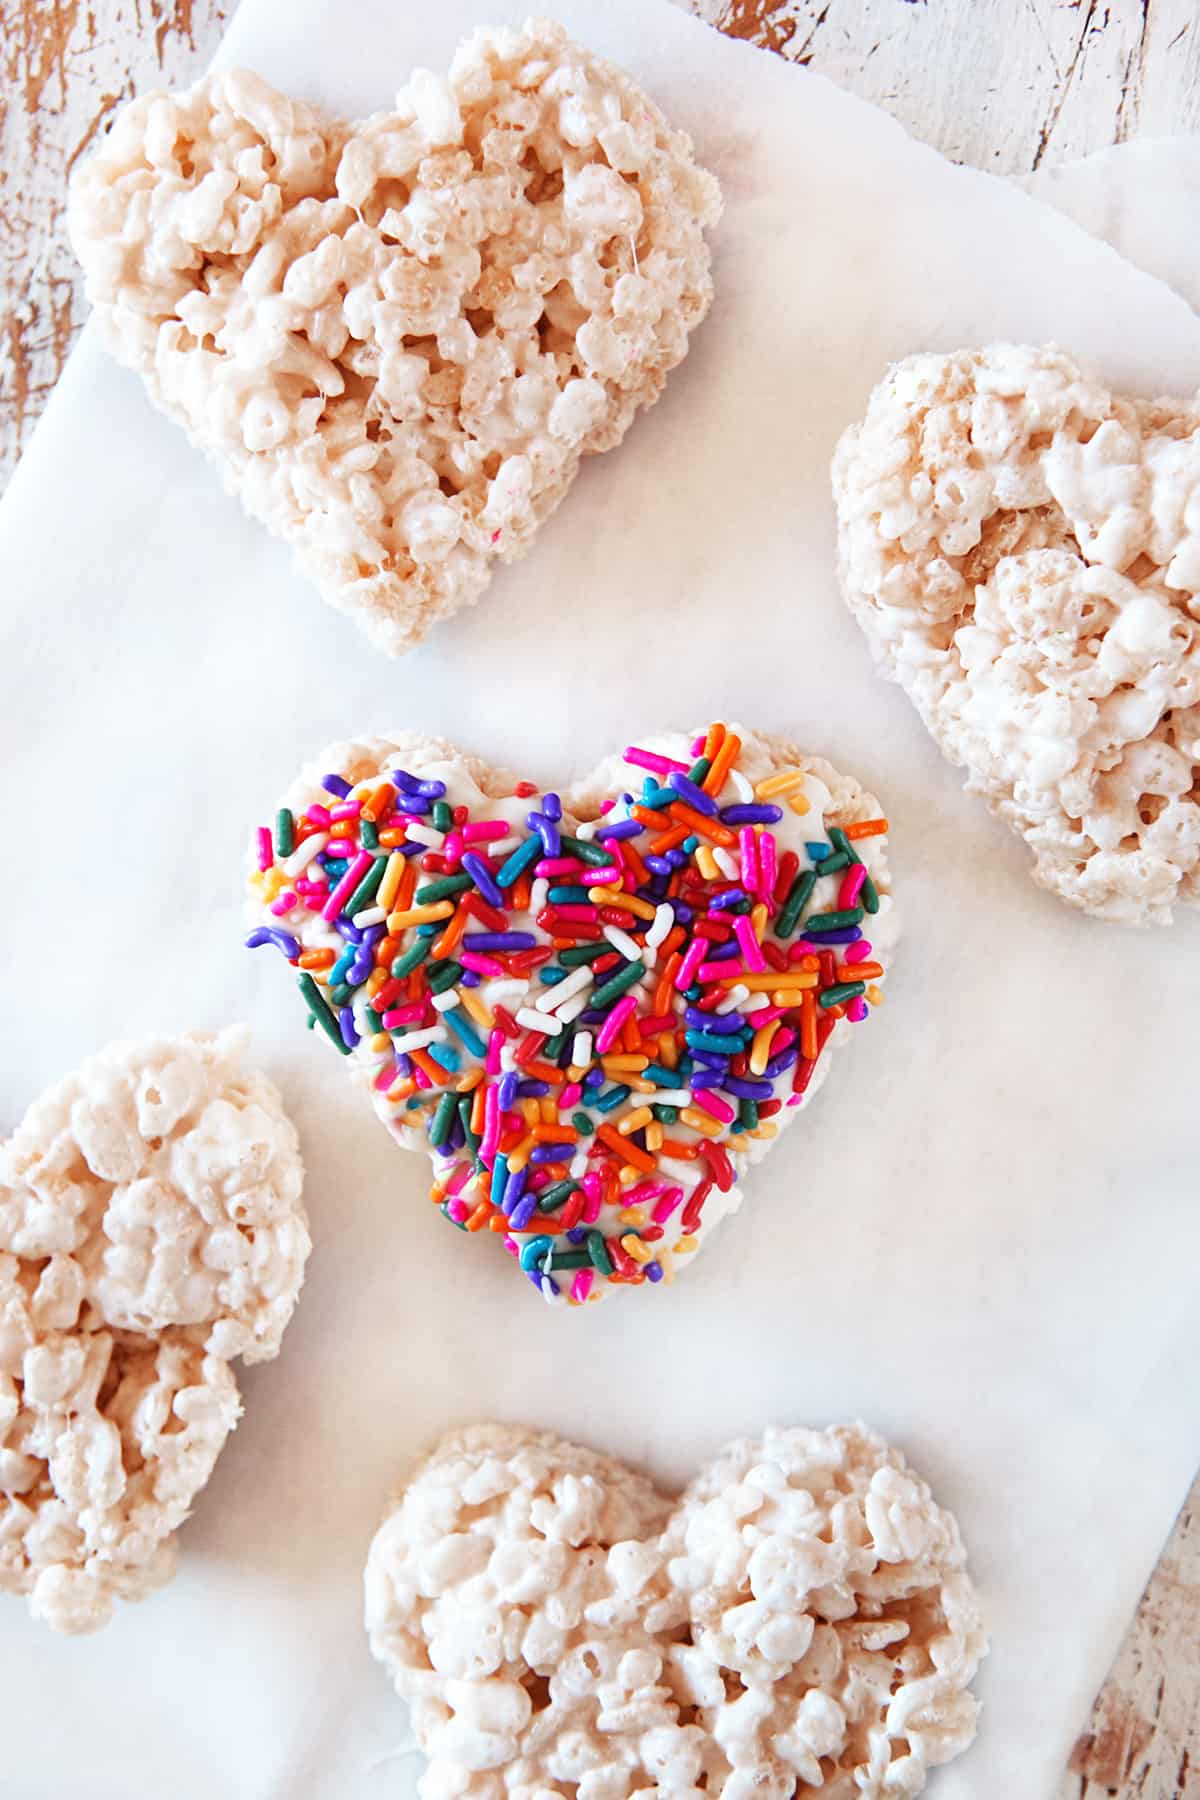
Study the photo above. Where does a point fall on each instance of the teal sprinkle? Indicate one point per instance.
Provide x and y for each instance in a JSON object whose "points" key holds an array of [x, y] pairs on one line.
{"points": [[612, 1097], [463, 1029], [446, 1057]]}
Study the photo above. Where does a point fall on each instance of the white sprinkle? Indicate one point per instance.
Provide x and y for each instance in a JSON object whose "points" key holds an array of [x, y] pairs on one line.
{"points": [[756, 1002], [370, 915], [300, 858], [727, 864], [425, 834], [581, 1050], [503, 846], [587, 831], [446, 1002], [508, 1059], [734, 999], [578, 1165], [536, 1021], [419, 1040], [620, 940], [537, 895], [670, 1097], [554, 996], [573, 1008], [506, 990], [741, 786], [664, 918]]}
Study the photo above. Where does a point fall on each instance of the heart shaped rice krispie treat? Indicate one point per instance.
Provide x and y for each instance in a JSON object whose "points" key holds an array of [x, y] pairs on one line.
{"points": [[1022, 549], [151, 1229], [398, 337], [799, 1621], [591, 1010]]}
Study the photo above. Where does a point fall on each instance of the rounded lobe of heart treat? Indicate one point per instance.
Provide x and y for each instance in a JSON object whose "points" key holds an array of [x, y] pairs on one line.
{"points": [[150, 1230], [593, 1010], [1021, 548], [800, 1620], [398, 338]]}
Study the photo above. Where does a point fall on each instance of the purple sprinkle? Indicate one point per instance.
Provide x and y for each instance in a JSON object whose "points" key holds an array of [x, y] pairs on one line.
{"points": [[706, 1078], [546, 1153], [335, 784], [499, 940], [654, 1271], [850, 935], [469, 978], [481, 875], [422, 790], [748, 1090], [346, 1026], [778, 1064], [283, 940], [659, 864], [720, 901], [594, 1078], [514, 1187], [762, 814], [534, 1090], [577, 1234], [620, 828], [724, 952], [683, 914], [350, 930], [507, 1091], [403, 1065], [547, 830], [707, 1021], [552, 807], [695, 796], [522, 1212]]}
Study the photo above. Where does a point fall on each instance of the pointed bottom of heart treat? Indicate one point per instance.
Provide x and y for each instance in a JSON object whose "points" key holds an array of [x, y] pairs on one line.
{"points": [[593, 1009], [799, 1620], [1022, 550], [151, 1229]]}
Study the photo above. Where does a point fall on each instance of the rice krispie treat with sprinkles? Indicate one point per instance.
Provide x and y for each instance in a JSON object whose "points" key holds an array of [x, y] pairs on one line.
{"points": [[592, 1009]]}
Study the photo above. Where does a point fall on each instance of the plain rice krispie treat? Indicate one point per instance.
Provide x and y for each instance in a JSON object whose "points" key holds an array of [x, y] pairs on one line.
{"points": [[593, 1010], [800, 1621], [151, 1229], [1022, 549], [397, 338]]}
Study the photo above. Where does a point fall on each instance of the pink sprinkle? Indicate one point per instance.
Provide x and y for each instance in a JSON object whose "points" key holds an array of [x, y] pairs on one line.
{"points": [[594, 1191], [804, 947], [262, 839], [485, 831], [765, 1015], [743, 930], [783, 1040], [608, 875], [496, 535], [312, 887], [385, 1077], [712, 1104], [768, 865], [606, 806], [420, 1077], [852, 884], [510, 1244], [581, 1287], [666, 1206], [346, 885], [452, 849], [284, 904], [692, 960], [319, 815], [607, 1033], [856, 1012], [859, 952], [349, 809], [644, 1192], [403, 1015], [717, 971], [698, 748], [458, 1210], [482, 965], [491, 1125], [570, 1096], [459, 1179], [658, 765], [557, 865], [748, 851]]}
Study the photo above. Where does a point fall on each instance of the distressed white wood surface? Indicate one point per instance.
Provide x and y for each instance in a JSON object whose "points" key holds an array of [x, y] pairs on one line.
{"points": [[1007, 85]]}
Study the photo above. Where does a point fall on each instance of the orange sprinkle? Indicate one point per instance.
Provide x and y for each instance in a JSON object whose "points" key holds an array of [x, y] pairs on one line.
{"points": [[316, 959], [677, 1149], [428, 1067], [481, 1216], [392, 836], [713, 740], [555, 1134], [519, 893], [702, 826], [669, 840], [380, 803], [722, 762], [633, 858], [808, 1026], [862, 971], [666, 981], [631, 1036], [634, 1060], [865, 828], [543, 1071], [629, 1153], [453, 933], [408, 885], [478, 1104]]}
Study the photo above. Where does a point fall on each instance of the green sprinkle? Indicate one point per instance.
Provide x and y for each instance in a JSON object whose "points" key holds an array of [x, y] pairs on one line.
{"points": [[364, 893], [798, 896], [869, 894], [442, 1122], [610, 1098], [441, 890], [833, 921], [554, 1196], [840, 841], [342, 994], [412, 958], [583, 953], [620, 984], [321, 1013], [831, 865], [444, 976], [442, 816], [699, 770], [591, 854], [598, 1253], [582, 1124], [368, 834], [464, 1114], [748, 1115], [840, 991], [666, 1115], [374, 1019], [285, 832], [570, 1259]]}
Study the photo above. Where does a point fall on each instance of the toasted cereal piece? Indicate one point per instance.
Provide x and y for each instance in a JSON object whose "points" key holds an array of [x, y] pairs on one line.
{"points": [[151, 1228], [800, 1618], [397, 338], [1022, 549]]}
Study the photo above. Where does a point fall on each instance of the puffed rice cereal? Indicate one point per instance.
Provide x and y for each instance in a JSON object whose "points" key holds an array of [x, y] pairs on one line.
{"points": [[397, 338], [151, 1229], [593, 1010], [1022, 549], [800, 1621]]}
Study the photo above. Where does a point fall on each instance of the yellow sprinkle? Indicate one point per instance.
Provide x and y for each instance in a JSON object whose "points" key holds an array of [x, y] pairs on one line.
{"points": [[668, 1052], [576, 1072], [875, 995], [390, 882], [375, 981], [632, 1215], [627, 1175], [707, 863], [758, 918], [786, 782], [736, 1143], [800, 803], [667, 1266], [684, 1245], [767, 1129], [636, 1085], [471, 1003], [760, 1050], [468, 1082], [654, 1135], [420, 915], [701, 1121], [531, 1112], [381, 1041], [624, 1062], [519, 1158], [610, 896], [639, 1251], [634, 1121]]}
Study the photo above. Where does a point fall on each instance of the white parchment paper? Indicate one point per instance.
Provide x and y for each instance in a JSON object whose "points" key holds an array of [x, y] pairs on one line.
{"points": [[983, 1238]]}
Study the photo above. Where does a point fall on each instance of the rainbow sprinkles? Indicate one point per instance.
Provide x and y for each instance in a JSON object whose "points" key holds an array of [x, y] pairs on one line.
{"points": [[592, 1010]]}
